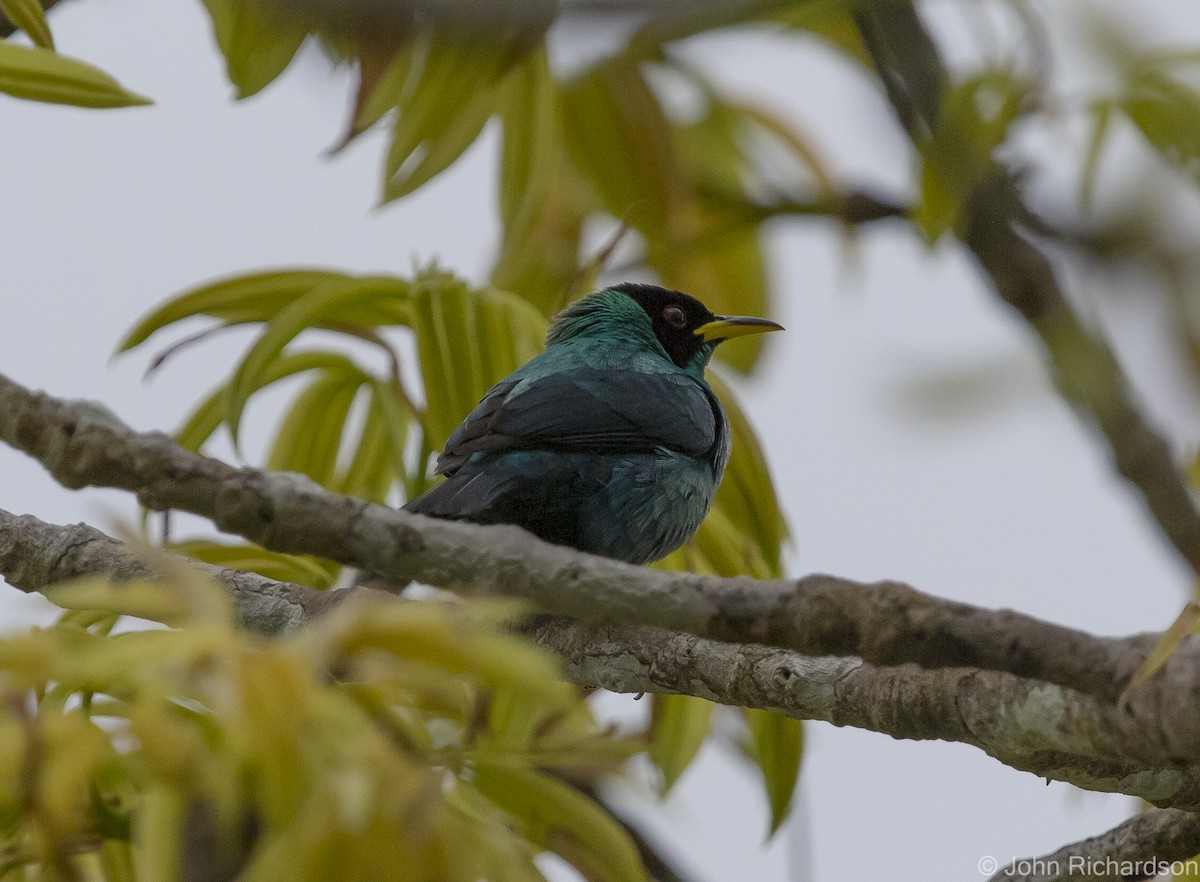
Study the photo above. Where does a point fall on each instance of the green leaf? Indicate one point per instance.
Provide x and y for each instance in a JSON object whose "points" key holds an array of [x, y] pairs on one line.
{"points": [[531, 141], [1168, 115], [445, 88], [832, 21], [393, 86], [747, 492], [258, 45], [378, 457], [542, 265], [975, 118], [775, 745], [310, 435], [467, 340], [679, 724], [555, 816], [619, 137], [256, 297], [713, 251], [534, 205], [1184, 624], [29, 16], [434, 128], [305, 570], [38, 74], [210, 413], [1101, 117], [346, 301]]}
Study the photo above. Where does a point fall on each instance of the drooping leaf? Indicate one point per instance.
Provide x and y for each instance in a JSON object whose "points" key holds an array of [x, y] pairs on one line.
{"points": [[1184, 624], [542, 208], [365, 301], [30, 17], [378, 457], [621, 140], [467, 340], [679, 726], [375, 59], [712, 251], [445, 85], [833, 22], [975, 118], [310, 435], [557, 817], [38, 74], [1167, 113], [258, 44], [304, 570], [775, 745], [256, 297], [747, 493], [458, 93], [209, 414], [1101, 117], [543, 265]]}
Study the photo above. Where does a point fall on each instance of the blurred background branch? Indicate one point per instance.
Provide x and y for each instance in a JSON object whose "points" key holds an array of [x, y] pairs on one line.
{"points": [[1000, 233]]}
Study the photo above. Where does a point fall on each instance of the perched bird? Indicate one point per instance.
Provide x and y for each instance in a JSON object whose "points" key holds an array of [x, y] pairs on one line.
{"points": [[610, 441]]}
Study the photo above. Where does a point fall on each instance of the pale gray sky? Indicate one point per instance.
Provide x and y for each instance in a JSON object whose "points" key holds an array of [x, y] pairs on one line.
{"points": [[1003, 501]]}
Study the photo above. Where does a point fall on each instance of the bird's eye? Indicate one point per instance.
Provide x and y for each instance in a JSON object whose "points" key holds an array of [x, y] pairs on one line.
{"points": [[674, 317]]}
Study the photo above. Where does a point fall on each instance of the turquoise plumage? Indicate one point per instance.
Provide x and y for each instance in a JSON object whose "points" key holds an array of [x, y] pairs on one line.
{"points": [[610, 441]]}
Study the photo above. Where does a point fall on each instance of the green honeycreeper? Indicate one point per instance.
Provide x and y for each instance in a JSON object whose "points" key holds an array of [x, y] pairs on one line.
{"points": [[610, 441]]}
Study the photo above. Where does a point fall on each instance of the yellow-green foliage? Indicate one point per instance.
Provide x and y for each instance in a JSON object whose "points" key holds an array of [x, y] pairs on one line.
{"points": [[386, 741]]}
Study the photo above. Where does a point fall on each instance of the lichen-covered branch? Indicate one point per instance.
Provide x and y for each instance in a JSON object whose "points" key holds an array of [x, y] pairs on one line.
{"points": [[1142, 848], [1000, 232], [1032, 726], [1027, 725]]}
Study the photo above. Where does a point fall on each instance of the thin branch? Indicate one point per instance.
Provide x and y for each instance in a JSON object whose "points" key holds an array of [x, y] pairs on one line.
{"points": [[1142, 848]]}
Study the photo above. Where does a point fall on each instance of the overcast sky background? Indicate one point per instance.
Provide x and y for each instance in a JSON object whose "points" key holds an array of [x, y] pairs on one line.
{"points": [[1002, 499]]}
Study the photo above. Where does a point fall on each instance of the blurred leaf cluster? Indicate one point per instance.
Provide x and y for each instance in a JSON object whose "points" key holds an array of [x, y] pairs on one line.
{"points": [[405, 741]]}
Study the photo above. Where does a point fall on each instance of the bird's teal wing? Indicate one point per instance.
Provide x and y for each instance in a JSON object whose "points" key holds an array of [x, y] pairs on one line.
{"points": [[591, 410]]}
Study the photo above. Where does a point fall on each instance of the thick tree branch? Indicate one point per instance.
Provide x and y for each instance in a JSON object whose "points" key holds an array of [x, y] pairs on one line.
{"points": [[1032, 726], [1142, 848], [1035, 727], [999, 233], [83, 444]]}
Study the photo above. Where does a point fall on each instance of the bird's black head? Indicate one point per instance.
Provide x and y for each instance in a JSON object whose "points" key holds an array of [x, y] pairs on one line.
{"points": [[675, 316], [684, 327]]}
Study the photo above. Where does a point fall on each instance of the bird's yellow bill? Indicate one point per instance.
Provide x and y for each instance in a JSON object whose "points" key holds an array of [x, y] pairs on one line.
{"points": [[728, 326]]}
